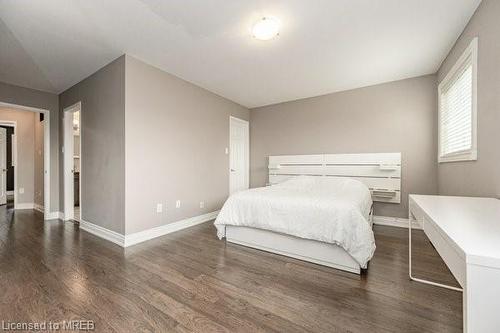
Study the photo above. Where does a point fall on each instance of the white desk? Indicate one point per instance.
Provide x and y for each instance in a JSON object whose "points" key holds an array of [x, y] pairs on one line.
{"points": [[466, 234]]}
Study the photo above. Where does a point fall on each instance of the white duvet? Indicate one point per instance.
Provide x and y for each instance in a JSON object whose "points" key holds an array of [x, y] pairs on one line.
{"points": [[327, 209]]}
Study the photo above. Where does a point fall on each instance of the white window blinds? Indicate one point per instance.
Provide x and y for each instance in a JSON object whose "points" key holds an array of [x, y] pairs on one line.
{"points": [[457, 109], [456, 113]]}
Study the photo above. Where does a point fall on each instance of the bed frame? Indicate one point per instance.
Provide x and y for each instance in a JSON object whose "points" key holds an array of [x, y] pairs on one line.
{"points": [[380, 172]]}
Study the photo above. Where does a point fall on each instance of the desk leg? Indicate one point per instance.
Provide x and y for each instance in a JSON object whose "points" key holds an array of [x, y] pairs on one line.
{"points": [[410, 221]]}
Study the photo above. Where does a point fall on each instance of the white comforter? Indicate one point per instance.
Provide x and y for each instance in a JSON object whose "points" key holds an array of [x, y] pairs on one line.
{"points": [[327, 209]]}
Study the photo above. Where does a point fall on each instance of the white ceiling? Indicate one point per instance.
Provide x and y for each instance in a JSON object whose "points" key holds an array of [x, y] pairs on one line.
{"points": [[324, 46]]}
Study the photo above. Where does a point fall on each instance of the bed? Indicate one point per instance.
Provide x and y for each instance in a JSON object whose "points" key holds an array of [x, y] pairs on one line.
{"points": [[315, 208]]}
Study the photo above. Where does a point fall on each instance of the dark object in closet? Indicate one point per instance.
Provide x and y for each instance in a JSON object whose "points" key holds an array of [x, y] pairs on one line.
{"points": [[76, 177]]}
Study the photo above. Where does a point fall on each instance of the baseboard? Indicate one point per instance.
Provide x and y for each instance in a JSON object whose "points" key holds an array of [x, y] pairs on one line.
{"points": [[39, 208], [102, 232], [24, 206], [51, 216], [395, 222], [148, 234]]}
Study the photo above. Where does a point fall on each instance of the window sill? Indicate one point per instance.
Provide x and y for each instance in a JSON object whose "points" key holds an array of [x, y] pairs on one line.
{"points": [[460, 157]]}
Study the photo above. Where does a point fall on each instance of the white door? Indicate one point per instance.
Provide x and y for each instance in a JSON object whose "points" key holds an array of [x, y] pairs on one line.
{"points": [[69, 189], [3, 166], [238, 156]]}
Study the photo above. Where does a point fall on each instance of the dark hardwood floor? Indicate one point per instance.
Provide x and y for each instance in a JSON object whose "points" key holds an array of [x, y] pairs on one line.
{"points": [[191, 281]]}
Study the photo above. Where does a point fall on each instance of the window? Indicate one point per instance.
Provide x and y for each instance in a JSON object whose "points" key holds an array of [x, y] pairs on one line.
{"points": [[457, 109]]}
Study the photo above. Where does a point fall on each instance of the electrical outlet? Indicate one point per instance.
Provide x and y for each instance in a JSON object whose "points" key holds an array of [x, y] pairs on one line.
{"points": [[202, 204], [159, 208], [21, 190], [178, 204]]}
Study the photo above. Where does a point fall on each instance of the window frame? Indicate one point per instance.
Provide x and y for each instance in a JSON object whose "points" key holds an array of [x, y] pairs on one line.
{"points": [[457, 69]]}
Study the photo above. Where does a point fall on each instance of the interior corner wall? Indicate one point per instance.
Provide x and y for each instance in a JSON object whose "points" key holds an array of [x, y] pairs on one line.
{"points": [[399, 116], [38, 99], [176, 135], [102, 96], [481, 177]]}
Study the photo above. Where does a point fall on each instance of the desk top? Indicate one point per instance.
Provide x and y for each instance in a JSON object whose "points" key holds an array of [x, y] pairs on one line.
{"points": [[473, 224]]}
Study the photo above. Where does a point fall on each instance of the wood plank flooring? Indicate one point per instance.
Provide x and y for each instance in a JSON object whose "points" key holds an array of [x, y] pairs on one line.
{"points": [[191, 281]]}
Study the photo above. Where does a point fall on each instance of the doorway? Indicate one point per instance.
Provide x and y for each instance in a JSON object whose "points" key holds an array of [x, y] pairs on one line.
{"points": [[7, 148], [238, 154], [43, 116], [72, 163]]}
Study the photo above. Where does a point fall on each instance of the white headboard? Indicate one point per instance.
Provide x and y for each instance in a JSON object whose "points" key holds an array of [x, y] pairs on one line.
{"points": [[380, 172]]}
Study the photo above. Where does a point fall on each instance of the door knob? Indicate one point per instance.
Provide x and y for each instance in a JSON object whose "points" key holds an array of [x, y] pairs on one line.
{"points": [[232, 170]]}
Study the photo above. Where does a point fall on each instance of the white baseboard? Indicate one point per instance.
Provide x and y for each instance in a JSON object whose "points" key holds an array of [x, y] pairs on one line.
{"points": [[102, 232], [39, 208], [142, 236], [24, 206], [395, 222], [53, 216]]}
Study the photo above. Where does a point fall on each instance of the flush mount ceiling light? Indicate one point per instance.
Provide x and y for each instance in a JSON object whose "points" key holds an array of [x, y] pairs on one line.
{"points": [[266, 28]]}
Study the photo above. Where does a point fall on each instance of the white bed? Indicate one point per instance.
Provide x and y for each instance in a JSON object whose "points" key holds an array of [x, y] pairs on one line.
{"points": [[311, 212]]}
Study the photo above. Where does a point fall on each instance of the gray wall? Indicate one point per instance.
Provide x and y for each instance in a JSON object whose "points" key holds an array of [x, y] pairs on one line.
{"points": [[176, 135], [481, 177], [393, 117], [103, 145], [25, 169], [39, 99]]}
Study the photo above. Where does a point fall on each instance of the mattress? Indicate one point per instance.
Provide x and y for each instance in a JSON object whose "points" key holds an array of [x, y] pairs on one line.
{"points": [[333, 210]]}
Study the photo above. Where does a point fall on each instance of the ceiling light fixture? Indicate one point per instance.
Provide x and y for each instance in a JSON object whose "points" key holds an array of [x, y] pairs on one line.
{"points": [[266, 28]]}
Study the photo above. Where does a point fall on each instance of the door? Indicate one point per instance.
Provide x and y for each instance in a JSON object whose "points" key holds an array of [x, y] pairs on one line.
{"points": [[238, 155], [68, 167], [3, 166]]}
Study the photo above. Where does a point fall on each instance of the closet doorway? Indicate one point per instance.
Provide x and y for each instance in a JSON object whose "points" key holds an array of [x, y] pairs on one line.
{"points": [[72, 163]]}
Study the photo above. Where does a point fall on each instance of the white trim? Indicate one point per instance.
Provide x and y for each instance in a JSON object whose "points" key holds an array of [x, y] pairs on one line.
{"points": [[68, 160], [471, 154], [54, 216], [102, 232], [148, 234], [13, 123], [142, 236], [46, 154], [246, 123], [29, 205], [395, 222]]}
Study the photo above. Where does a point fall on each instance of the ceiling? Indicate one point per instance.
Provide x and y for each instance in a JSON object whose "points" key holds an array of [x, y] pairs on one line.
{"points": [[324, 46]]}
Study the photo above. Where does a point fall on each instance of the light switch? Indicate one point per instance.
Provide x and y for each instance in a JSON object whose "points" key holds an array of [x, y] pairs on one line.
{"points": [[227, 151], [159, 208], [178, 204]]}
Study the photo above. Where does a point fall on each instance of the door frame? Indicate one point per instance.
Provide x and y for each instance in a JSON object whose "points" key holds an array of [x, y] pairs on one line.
{"points": [[47, 215], [68, 176], [13, 123], [247, 150]]}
